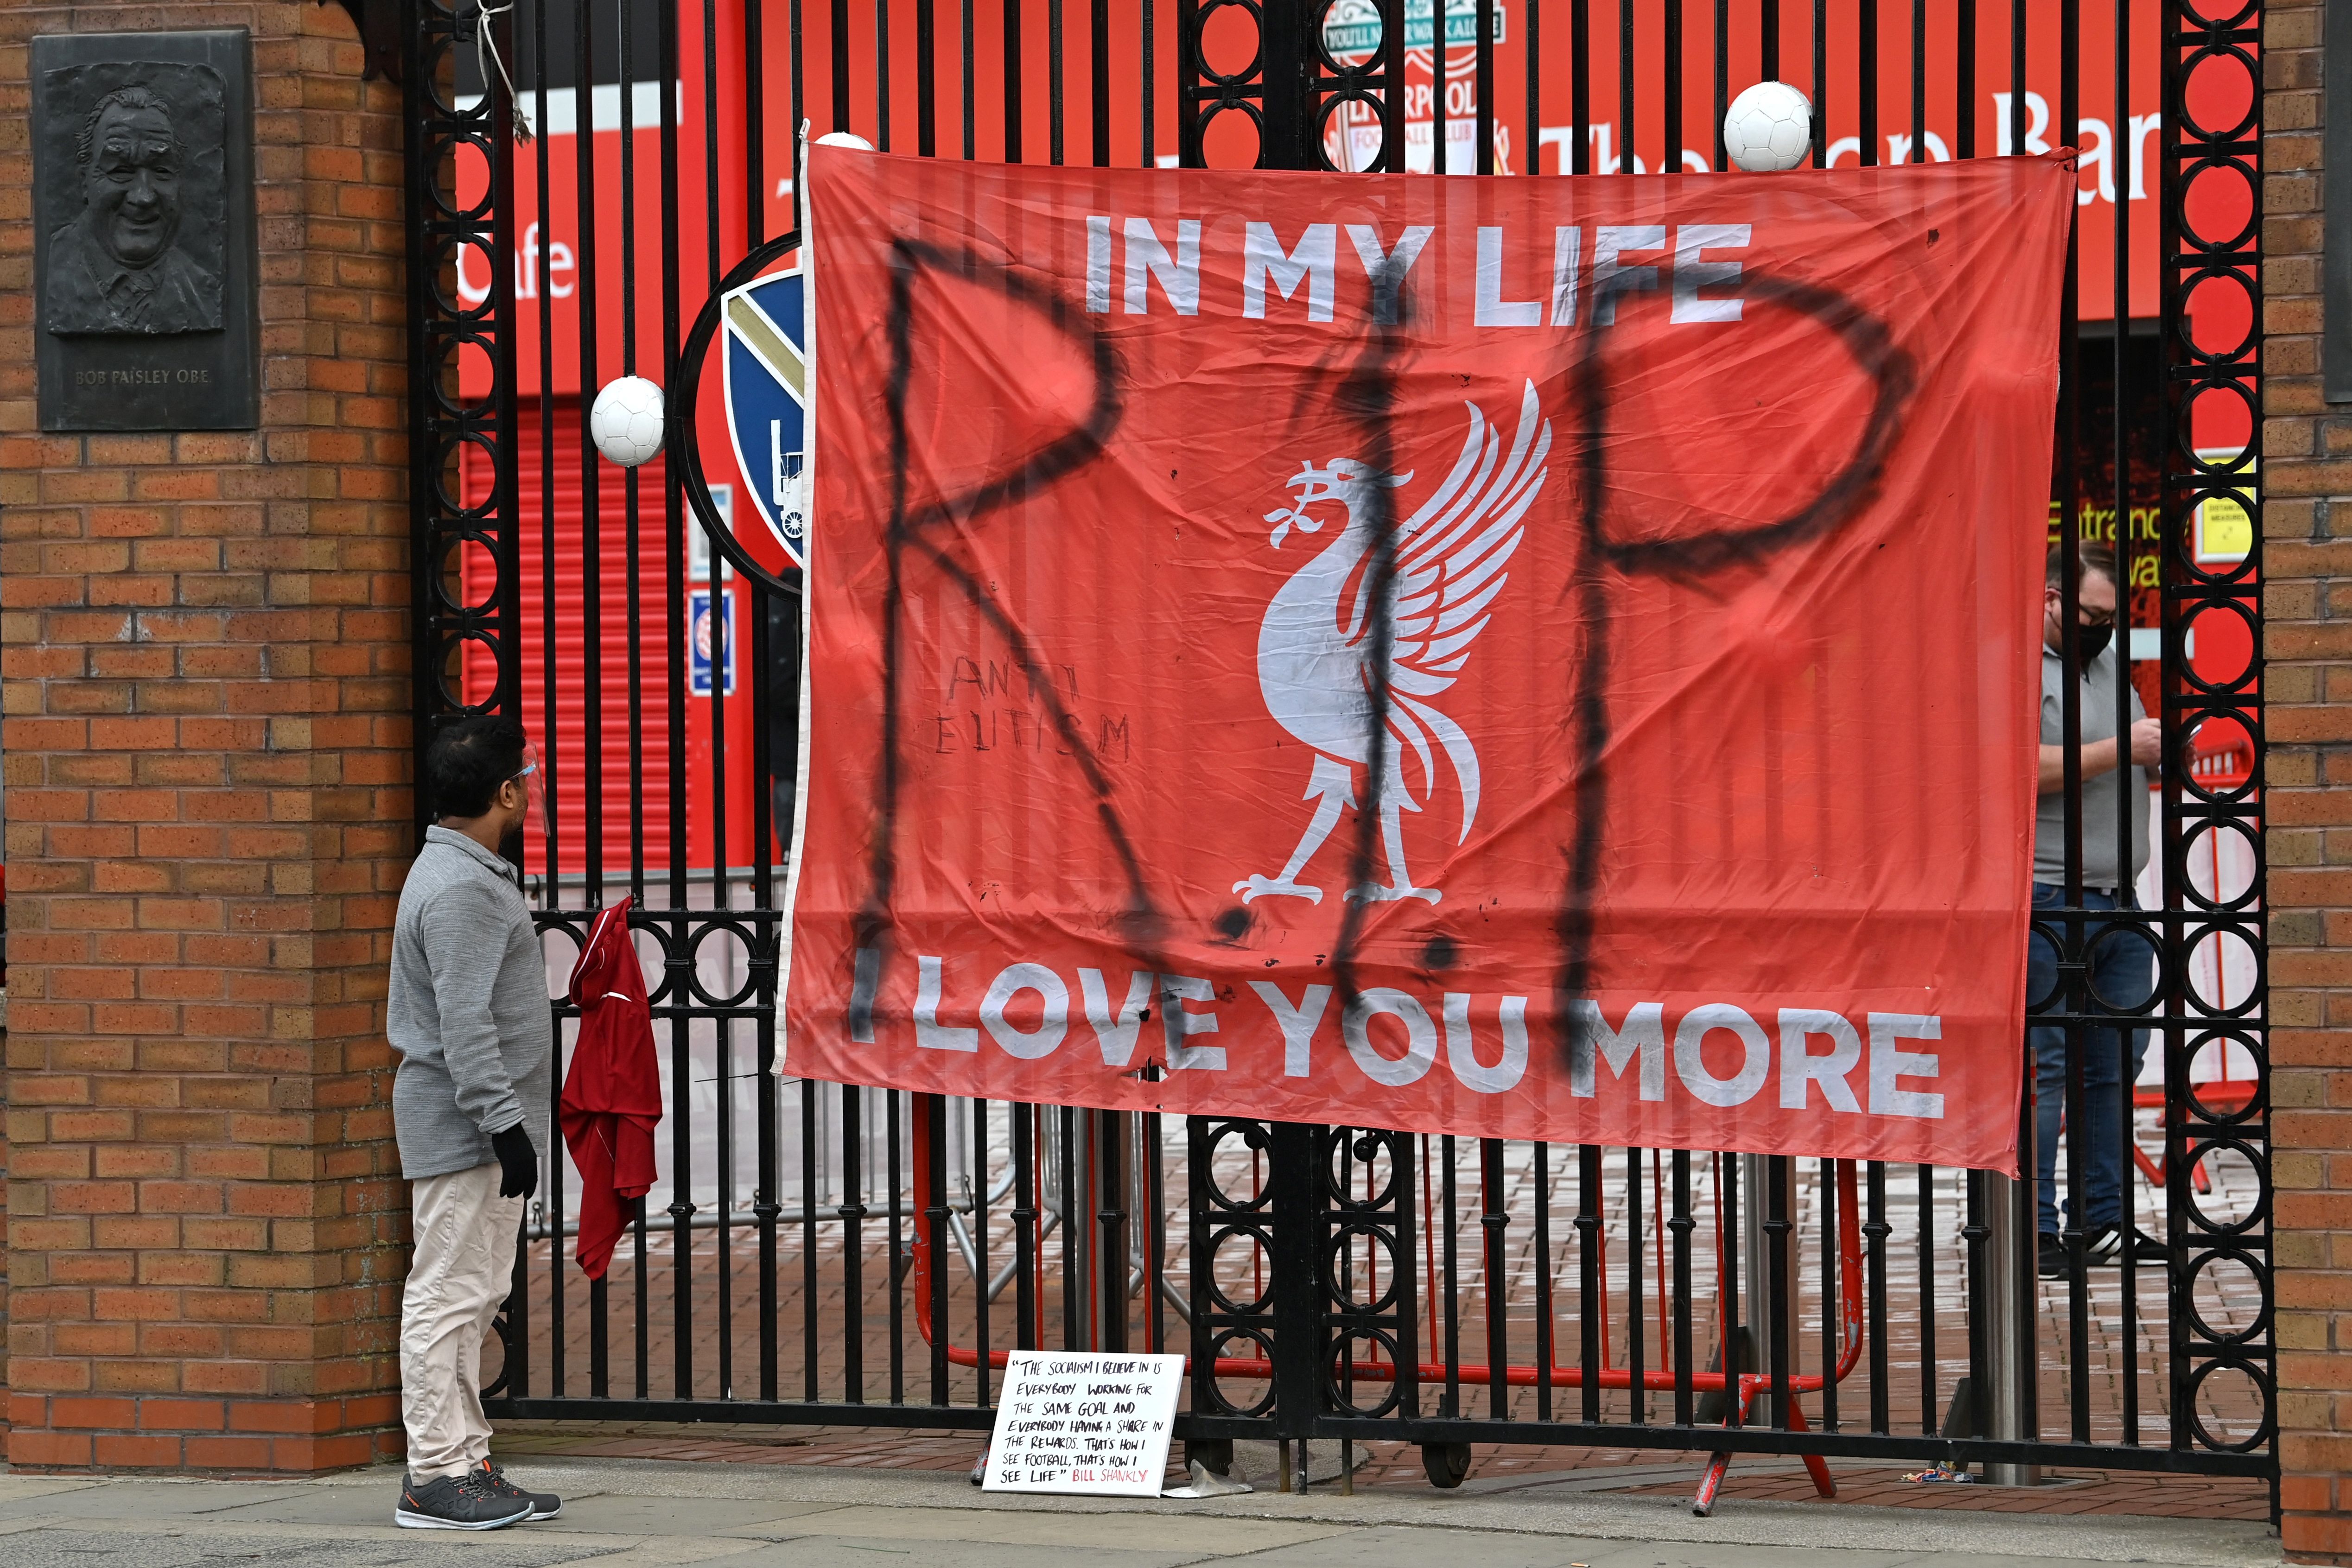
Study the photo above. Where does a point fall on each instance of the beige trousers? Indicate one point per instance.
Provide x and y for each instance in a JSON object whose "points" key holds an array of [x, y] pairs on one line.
{"points": [[464, 1265]]}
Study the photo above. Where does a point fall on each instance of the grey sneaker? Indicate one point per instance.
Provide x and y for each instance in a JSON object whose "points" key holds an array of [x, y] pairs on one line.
{"points": [[458, 1502], [543, 1504]]}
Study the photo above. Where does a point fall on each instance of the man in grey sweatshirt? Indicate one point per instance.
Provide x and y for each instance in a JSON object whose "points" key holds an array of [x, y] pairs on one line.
{"points": [[468, 1014]]}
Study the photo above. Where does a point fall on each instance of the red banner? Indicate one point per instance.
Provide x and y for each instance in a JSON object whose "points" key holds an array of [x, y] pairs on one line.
{"points": [[1544, 659]]}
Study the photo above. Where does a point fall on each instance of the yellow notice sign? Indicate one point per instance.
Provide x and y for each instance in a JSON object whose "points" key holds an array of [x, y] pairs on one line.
{"points": [[2225, 531], [2224, 527]]}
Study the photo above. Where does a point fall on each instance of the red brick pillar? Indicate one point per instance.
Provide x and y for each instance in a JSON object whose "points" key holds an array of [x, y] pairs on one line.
{"points": [[2307, 695], [207, 813]]}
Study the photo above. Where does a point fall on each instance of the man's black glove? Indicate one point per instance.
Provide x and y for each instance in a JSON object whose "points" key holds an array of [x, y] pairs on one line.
{"points": [[519, 1177]]}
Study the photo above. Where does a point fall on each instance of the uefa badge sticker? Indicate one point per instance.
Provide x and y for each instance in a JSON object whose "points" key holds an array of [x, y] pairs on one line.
{"points": [[767, 390]]}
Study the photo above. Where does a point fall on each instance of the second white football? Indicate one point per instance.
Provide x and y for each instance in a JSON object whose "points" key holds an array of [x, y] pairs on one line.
{"points": [[1767, 127]]}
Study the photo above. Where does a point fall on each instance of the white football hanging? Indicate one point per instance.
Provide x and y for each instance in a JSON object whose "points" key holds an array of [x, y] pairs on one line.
{"points": [[1768, 128], [626, 421]]}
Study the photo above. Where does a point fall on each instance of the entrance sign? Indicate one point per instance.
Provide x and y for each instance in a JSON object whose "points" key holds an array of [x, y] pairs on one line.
{"points": [[1547, 659], [1084, 1421]]}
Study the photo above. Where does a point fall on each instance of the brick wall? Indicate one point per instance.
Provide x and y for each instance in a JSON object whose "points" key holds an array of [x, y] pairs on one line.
{"points": [[2307, 692], [207, 811]]}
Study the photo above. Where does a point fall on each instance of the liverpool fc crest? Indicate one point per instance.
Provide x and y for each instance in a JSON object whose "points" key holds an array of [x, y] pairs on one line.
{"points": [[1333, 642]]}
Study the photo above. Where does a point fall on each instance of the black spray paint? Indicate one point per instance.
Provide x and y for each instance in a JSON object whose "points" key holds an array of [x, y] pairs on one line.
{"points": [[1368, 395]]}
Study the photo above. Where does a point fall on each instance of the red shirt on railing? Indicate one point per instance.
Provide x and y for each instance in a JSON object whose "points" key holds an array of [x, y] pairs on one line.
{"points": [[611, 1094]]}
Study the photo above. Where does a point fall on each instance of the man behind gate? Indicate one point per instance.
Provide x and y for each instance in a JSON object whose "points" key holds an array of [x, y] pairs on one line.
{"points": [[2118, 960]]}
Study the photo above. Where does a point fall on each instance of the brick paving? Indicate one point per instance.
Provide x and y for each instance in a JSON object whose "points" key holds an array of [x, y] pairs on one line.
{"points": [[2061, 1492]]}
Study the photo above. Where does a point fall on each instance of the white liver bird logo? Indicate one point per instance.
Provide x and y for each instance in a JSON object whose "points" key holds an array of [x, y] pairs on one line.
{"points": [[1316, 647]]}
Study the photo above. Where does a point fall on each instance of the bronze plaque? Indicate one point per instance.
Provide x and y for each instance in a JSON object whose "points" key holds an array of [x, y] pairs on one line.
{"points": [[144, 306]]}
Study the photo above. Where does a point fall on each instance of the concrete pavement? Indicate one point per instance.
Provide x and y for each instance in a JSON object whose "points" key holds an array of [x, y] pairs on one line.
{"points": [[651, 1514]]}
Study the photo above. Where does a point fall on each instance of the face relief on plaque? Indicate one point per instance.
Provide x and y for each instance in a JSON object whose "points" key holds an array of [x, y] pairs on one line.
{"points": [[145, 256]]}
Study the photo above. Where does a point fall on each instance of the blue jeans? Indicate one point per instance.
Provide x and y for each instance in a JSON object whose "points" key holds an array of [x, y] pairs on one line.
{"points": [[2121, 980]]}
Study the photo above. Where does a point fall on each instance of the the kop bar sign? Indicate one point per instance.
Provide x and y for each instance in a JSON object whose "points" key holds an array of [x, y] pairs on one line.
{"points": [[1351, 34]]}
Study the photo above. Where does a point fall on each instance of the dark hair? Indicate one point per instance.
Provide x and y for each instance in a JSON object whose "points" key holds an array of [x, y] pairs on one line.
{"points": [[133, 97], [2098, 558], [468, 760]]}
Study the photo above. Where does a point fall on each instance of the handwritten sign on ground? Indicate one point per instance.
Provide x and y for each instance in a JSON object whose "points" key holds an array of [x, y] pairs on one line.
{"points": [[1080, 1422]]}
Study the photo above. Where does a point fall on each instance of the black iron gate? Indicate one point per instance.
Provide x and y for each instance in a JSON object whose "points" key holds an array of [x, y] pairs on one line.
{"points": [[818, 1253]]}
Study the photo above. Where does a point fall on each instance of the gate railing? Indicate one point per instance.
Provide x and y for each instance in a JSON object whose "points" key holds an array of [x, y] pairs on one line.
{"points": [[825, 1254], [1448, 1290]]}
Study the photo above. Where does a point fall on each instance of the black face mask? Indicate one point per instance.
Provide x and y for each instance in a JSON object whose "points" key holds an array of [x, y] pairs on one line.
{"points": [[510, 846], [2092, 641]]}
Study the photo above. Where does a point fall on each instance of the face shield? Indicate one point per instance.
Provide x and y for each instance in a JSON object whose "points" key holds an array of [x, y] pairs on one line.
{"points": [[534, 789]]}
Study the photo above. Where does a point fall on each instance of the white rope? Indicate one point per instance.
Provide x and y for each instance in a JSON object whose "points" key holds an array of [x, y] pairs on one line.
{"points": [[486, 44]]}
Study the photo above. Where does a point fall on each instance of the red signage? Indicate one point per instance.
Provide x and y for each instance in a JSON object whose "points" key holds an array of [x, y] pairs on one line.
{"points": [[1544, 659], [553, 250]]}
